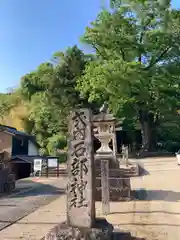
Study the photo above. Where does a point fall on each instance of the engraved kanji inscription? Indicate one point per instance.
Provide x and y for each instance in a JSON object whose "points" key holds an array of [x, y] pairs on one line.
{"points": [[79, 161], [79, 126], [81, 187], [79, 149], [80, 201]]}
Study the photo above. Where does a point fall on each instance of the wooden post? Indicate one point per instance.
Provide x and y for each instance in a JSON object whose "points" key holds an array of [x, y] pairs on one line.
{"points": [[126, 154], [123, 154], [105, 186], [58, 168], [47, 168], [114, 140]]}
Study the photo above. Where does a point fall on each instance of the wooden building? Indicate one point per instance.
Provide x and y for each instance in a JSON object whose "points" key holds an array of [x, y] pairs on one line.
{"points": [[16, 147]]}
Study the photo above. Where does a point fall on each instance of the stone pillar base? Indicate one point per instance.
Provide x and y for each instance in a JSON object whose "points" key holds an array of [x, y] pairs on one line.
{"points": [[102, 230]]}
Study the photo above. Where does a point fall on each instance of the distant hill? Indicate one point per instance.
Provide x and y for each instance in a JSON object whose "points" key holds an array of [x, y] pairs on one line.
{"points": [[12, 115]]}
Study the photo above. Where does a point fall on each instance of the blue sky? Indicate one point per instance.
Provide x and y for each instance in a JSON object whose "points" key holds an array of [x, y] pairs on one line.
{"points": [[32, 30]]}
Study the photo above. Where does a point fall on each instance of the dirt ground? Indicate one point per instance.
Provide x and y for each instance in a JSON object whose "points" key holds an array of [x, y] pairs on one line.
{"points": [[157, 215]]}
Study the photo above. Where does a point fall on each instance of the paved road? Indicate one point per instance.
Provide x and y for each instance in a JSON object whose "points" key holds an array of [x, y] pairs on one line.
{"points": [[29, 196]]}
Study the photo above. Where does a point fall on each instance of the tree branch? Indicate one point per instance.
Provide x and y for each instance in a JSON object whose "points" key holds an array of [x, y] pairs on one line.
{"points": [[123, 54], [152, 63], [141, 37], [97, 50], [121, 49]]}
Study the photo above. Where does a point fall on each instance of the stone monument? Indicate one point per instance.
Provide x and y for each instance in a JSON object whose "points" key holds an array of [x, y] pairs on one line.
{"points": [[80, 202], [111, 184], [81, 221], [125, 155], [104, 123]]}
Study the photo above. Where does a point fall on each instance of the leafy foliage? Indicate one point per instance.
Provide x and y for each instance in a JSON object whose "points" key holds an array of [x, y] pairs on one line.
{"points": [[56, 143], [137, 70], [50, 93]]}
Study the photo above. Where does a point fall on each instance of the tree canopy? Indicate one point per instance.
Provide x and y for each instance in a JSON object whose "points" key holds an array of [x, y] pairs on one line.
{"points": [[135, 68], [51, 94]]}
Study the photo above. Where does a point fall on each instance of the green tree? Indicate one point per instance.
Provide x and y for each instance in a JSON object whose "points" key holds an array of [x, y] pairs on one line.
{"points": [[50, 92], [137, 70], [56, 143]]}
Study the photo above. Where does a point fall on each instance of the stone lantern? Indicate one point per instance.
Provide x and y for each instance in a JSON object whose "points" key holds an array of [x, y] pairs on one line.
{"points": [[104, 131]]}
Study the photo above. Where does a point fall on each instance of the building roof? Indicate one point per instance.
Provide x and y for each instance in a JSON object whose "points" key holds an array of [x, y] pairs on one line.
{"points": [[15, 132], [32, 156], [30, 159], [26, 158]]}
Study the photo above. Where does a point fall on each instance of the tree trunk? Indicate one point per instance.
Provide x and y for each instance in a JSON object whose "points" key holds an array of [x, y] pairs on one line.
{"points": [[148, 130]]}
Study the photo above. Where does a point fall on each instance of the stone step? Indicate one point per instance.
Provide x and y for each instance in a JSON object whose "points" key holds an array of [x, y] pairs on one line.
{"points": [[118, 172], [119, 189], [115, 195], [119, 183], [112, 164]]}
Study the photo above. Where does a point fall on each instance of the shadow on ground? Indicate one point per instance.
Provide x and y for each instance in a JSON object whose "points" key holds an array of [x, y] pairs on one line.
{"points": [[157, 195], [27, 201], [43, 189], [142, 170], [124, 236], [101, 227], [37, 189]]}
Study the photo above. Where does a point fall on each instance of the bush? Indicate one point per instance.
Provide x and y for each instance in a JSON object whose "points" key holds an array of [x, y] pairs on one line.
{"points": [[55, 143]]}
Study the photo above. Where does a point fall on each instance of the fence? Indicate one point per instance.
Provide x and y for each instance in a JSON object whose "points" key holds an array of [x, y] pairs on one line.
{"points": [[51, 167]]}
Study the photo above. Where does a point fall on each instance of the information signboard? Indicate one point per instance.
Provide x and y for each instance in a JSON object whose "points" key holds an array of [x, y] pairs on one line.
{"points": [[52, 162], [37, 165]]}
